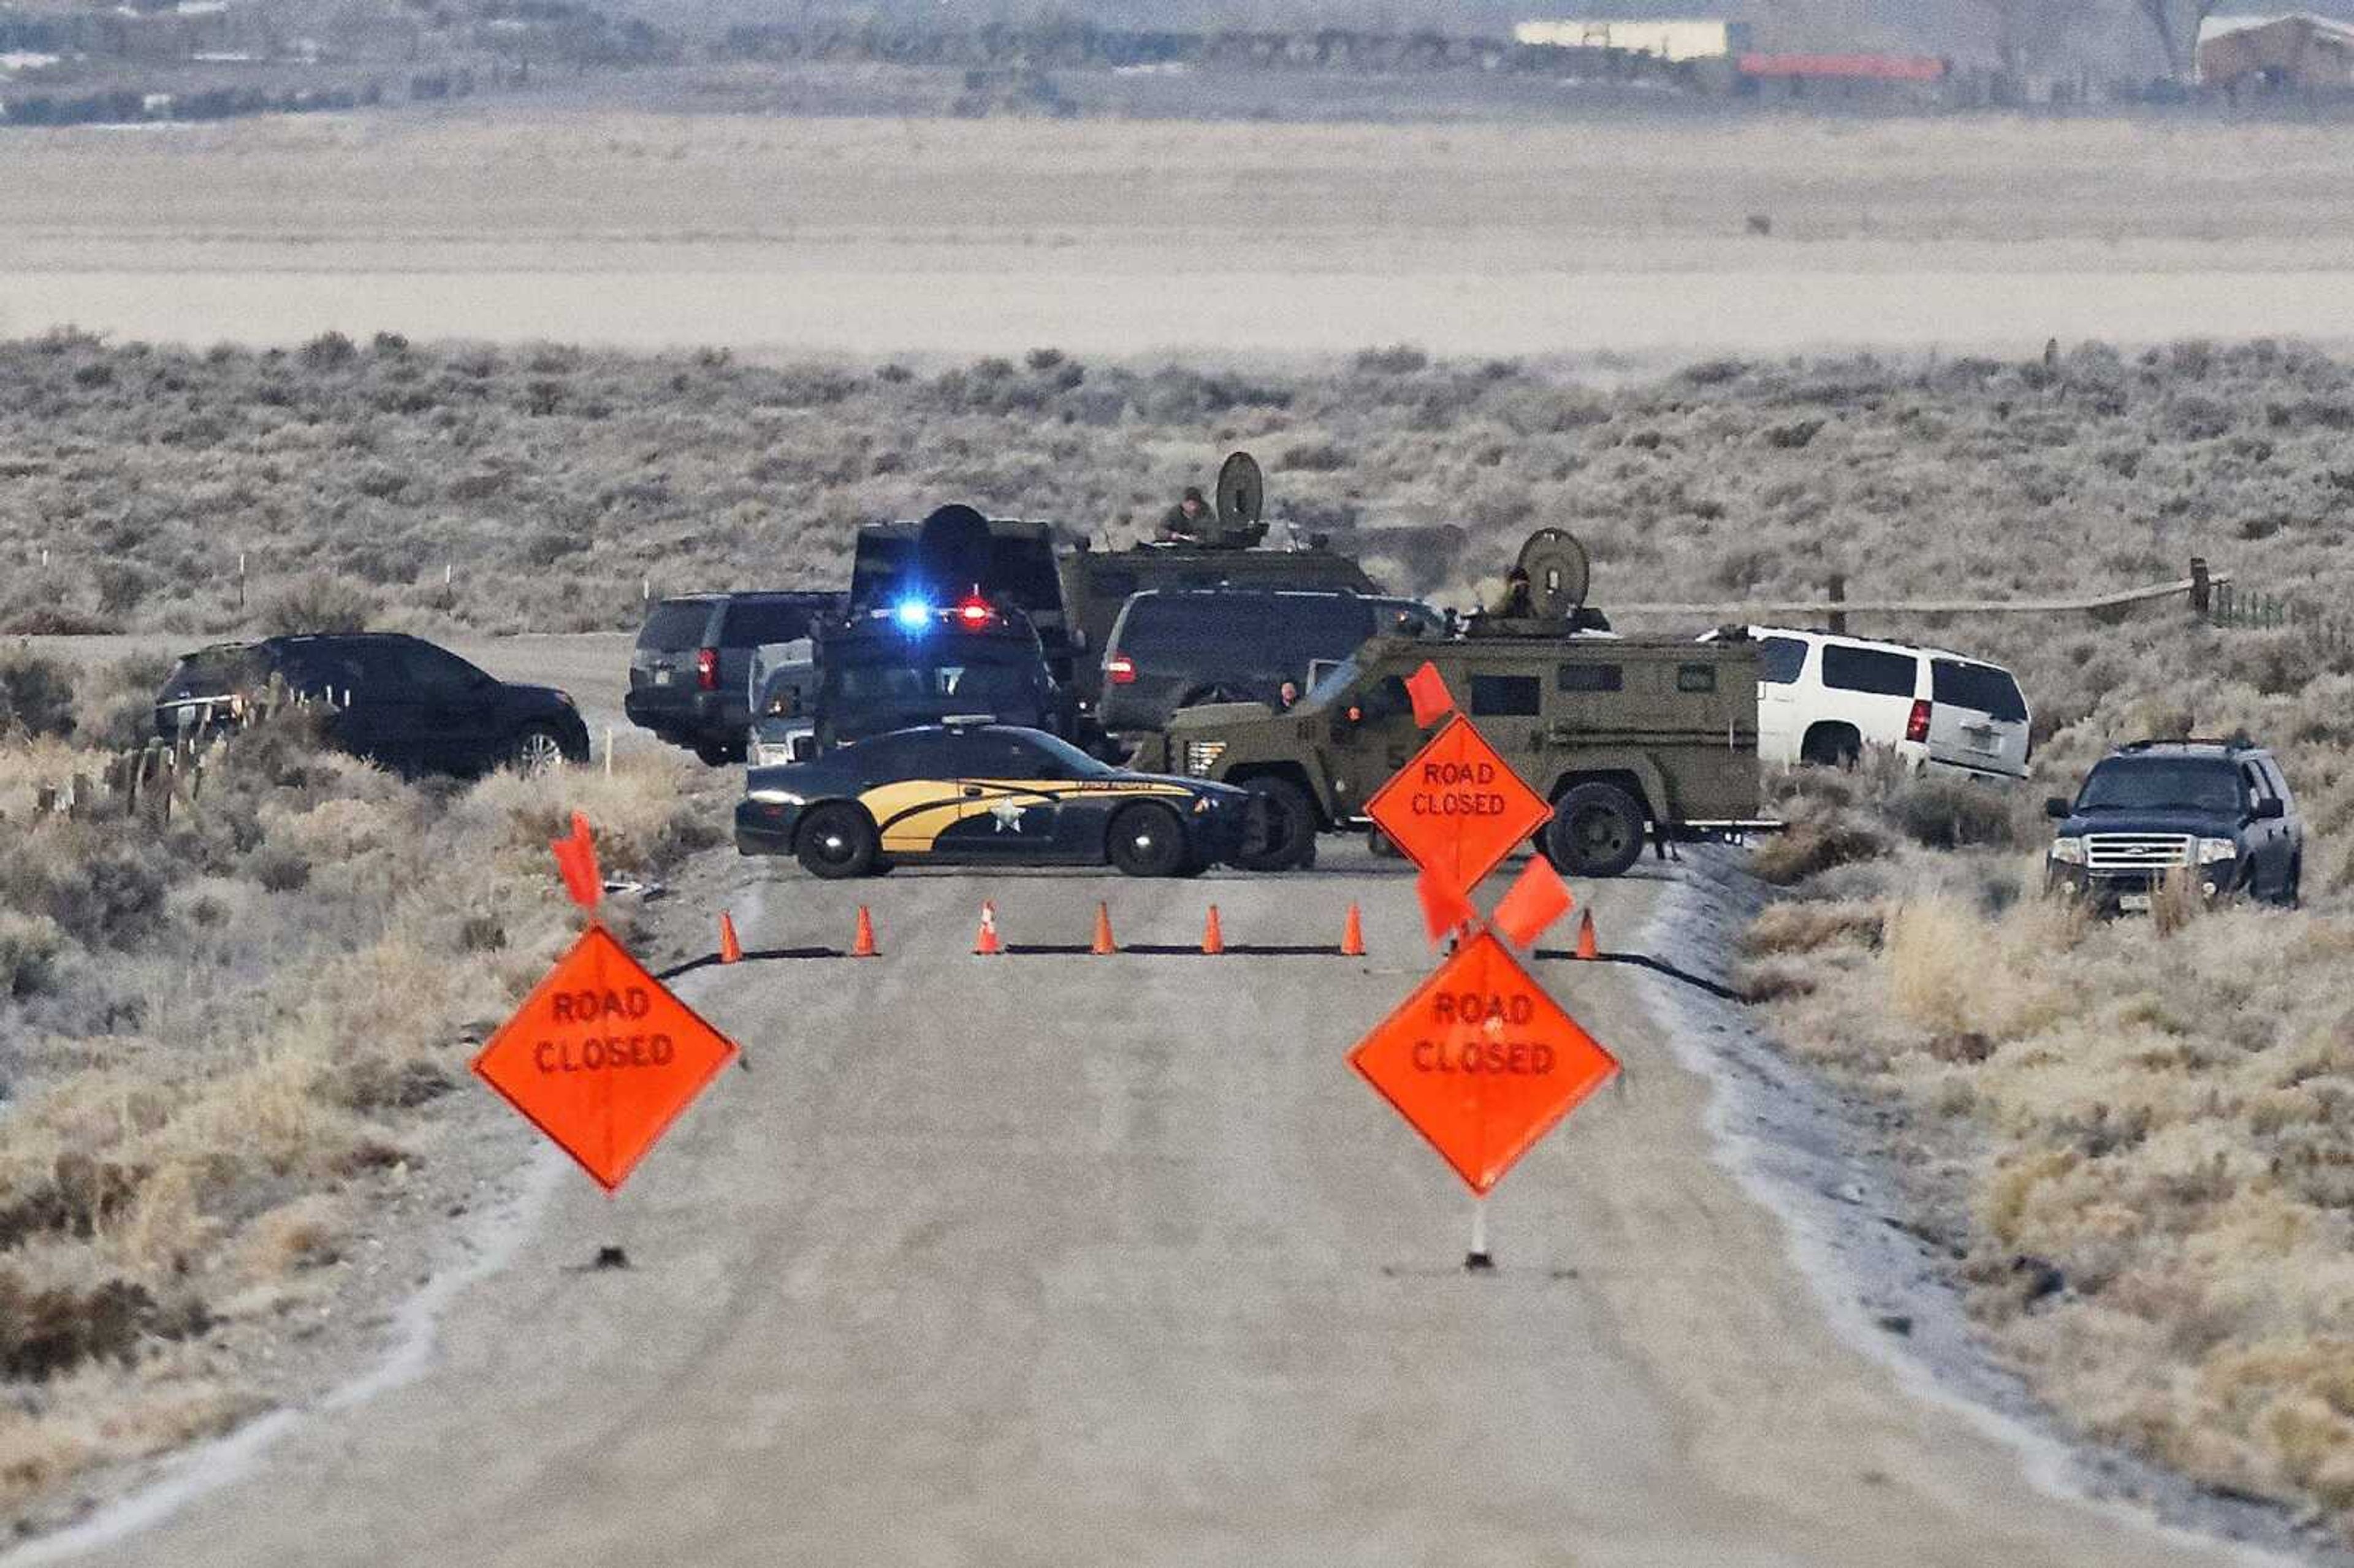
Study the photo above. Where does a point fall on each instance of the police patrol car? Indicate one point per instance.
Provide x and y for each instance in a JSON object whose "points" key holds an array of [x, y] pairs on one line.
{"points": [[985, 794]]}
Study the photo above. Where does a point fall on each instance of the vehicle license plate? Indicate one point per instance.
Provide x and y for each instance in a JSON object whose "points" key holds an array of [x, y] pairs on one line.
{"points": [[661, 677], [2134, 903]]}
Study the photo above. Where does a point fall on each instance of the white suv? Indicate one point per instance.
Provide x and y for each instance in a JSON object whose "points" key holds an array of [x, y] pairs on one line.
{"points": [[1822, 698]]}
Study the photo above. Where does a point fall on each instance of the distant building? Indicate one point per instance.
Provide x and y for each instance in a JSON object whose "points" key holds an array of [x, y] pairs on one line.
{"points": [[2300, 52], [1690, 40]]}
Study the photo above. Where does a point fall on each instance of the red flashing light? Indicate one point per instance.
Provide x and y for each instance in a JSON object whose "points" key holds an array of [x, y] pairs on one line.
{"points": [[706, 669], [974, 611], [1916, 728], [1121, 671]]}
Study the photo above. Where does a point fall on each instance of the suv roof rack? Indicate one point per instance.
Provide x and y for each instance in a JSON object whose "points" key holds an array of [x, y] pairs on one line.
{"points": [[2239, 740]]}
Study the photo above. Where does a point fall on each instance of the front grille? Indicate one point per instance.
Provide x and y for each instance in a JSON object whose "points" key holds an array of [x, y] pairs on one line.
{"points": [[2136, 852], [1200, 756]]}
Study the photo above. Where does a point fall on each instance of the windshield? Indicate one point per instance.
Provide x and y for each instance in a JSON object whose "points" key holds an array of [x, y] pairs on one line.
{"points": [[215, 672], [2154, 786], [930, 684], [1079, 763]]}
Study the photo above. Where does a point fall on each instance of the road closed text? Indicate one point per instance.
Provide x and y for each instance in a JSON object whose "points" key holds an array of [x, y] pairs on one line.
{"points": [[1458, 789], [1488, 1049], [602, 1052], [609, 1053]]}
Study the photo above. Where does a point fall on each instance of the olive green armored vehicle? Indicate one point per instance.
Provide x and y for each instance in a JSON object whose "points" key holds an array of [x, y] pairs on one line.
{"points": [[1228, 549], [1630, 738]]}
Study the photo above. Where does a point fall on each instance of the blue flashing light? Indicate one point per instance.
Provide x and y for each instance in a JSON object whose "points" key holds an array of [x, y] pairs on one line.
{"points": [[913, 615]]}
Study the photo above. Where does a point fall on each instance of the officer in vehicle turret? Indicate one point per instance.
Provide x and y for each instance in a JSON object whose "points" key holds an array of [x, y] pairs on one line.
{"points": [[1190, 522], [1515, 605]]}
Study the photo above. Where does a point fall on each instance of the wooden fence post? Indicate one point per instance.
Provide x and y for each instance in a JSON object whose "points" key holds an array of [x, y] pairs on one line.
{"points": [[1838, 595], [2202, 591]]}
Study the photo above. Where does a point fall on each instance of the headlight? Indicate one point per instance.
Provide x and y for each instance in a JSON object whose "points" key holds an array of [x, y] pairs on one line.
{"points": [[1200, 756], [2212, 850], [2068, 851]]}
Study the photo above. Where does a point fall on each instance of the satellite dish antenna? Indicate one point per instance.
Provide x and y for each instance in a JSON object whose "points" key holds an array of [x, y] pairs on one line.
{"points": [[1559, 573], [952, 549], [1242, 495]]}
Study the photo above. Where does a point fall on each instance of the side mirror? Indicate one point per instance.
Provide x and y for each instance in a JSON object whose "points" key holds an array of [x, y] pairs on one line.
{"points": [[2056, 808], [2272, 810]]}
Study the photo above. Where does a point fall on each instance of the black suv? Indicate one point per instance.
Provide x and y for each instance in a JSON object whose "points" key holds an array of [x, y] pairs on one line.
{"points": [[691, 676], [1177, 648], [395, 699], [2218, 810]]}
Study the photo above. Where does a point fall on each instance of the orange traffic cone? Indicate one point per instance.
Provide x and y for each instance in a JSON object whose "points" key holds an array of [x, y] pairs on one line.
{"points": [[863, 945], [730, 951], [1585, 947], [1214, 940], [1352, 935], [988, 942], [1103, 942]]}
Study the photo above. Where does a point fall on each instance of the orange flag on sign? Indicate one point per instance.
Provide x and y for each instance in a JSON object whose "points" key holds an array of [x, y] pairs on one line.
{"points": [[1445, 911], [1537, 899], [575, 857], [1432, 699]]}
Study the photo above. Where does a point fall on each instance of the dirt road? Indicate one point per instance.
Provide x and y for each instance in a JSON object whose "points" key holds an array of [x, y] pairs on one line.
{"points": [[1076, 1260]]}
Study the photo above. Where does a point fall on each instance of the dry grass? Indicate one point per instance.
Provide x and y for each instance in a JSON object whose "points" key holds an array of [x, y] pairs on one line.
{"points": [[2153, 1156], [213, 1067], [2153, 1114]]}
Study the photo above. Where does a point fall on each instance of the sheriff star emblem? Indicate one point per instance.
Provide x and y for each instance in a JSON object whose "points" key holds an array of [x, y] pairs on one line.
{"points": [[1008, 814]]}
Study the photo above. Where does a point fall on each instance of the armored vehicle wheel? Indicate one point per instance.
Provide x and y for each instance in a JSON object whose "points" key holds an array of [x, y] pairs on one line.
{"points": [[1596, 831], [1147, 840], [836, 841], [1289, 840]]}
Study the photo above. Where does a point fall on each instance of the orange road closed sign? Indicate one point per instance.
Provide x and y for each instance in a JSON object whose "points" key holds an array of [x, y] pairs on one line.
{"points": [[1458, 808], [601, 1058], [1483, 1062]]}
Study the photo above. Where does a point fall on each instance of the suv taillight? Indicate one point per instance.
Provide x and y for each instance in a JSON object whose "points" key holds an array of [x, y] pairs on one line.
{"points": [[1916, 728], [706, 669], [1121, 671]]}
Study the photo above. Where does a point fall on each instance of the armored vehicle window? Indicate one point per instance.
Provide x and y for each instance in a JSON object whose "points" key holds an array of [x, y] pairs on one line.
{"points": [[1506, 697], [2271, 773], [1592, 678], [1780, 658], [1388, 695], [1695, 677], [1872, 669], [2258, 790], [1990, 691]]}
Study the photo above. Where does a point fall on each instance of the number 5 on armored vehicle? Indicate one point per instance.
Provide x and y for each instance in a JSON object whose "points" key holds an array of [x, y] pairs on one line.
{"points": [[1627, 737]]}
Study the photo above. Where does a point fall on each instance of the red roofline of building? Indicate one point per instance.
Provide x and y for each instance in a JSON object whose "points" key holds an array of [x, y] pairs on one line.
{"points": [[1870, 67]]}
